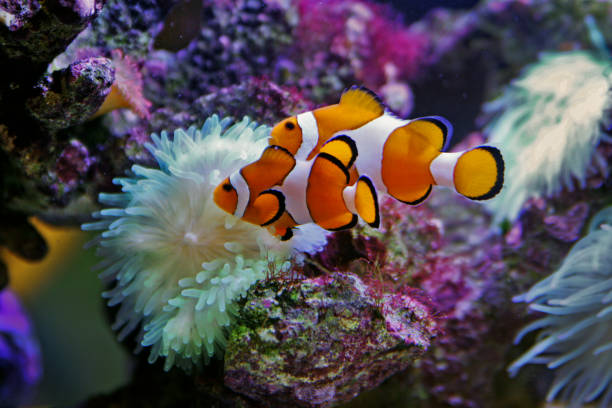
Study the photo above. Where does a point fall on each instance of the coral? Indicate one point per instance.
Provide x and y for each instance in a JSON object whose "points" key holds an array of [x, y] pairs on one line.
{"points": [[128, 26], [20, 361], [127, 89], [70, 96], [34, 32], [72, 164], [365, 39], [179, 262], [238, 40], [548, 122], [473, 53], [321, 341], [574, 334], [267, 100]]}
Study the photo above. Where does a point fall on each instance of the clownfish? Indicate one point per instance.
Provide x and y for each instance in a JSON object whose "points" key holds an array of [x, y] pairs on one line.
{"points": [[327, 165], [316, 191], [404, 158]]}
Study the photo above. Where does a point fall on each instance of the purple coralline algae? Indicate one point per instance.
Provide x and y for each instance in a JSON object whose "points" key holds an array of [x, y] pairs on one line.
{"points": [[20, 361], [72, 164], [323, 340], [359, 41], [72, 95]]}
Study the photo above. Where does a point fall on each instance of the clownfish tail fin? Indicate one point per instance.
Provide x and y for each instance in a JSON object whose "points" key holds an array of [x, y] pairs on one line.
{"points": [[366, 201], [477, 174]]}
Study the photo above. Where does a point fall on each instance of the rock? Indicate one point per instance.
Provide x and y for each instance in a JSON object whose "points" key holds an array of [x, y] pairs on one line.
{"points": [[323, 340]]}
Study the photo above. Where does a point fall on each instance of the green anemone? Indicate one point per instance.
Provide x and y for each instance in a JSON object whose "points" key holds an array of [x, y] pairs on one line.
{"points": [[548, 123]]}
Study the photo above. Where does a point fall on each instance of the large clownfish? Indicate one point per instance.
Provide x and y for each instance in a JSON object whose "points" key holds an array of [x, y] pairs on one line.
{"points": [[297, 178]]}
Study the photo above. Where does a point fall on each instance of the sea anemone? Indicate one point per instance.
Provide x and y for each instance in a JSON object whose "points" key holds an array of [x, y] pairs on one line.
{"points": [[549, 123], [575, 337], [178, 261], [127, 89]]}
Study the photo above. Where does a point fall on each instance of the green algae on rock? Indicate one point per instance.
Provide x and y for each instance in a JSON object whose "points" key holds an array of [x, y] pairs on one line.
{"points": [[322, 341]]}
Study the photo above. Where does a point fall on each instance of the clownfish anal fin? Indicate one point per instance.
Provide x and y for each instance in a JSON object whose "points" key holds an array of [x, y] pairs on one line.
{"points": [[436, 129], [270, 205], [286, 234], [417, 197], [479, 173], [343, 148], [352, 222], [366, 201], [362, 98]]}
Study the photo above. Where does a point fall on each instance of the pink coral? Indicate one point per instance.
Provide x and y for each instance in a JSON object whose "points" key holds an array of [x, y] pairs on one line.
{"points": [[127, 90], [128, 80], [365, 33]]}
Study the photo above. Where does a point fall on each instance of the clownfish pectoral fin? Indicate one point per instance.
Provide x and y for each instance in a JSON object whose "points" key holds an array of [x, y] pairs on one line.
{"points": [[342, 148], [270, 169], [269, 206], [324, 194], [366, 201], [362, 98], [479, 173], [437, 130]]}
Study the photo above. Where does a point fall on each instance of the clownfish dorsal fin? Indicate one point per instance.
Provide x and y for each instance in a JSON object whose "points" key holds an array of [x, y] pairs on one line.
{"points": [[366, 201], [270, 205], [362, 98], [270, 169], [343, 148], [436, 129]]}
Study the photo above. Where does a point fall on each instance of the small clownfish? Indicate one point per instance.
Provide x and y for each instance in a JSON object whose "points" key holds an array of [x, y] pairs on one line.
{"points": [[316, 191]]}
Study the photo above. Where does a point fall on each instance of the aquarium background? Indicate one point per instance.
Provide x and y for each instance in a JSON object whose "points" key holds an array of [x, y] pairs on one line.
{"points": [[503, 303]]}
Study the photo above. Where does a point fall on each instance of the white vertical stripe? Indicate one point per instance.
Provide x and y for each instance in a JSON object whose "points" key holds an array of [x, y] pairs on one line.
{"points": [[348, 194], [310, 134], [242, 188], [294, 190], [443, 168]]}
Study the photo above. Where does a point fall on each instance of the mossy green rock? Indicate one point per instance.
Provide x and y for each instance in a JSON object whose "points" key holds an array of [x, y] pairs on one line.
{"points": [[322, 341]]}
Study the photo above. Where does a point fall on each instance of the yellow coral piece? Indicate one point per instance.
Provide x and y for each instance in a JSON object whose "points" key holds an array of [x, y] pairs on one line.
{"points": [[28, 277], [114, 100]]}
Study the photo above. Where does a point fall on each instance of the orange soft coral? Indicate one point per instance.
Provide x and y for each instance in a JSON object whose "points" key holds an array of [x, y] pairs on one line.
{"points": [[126, 91]]}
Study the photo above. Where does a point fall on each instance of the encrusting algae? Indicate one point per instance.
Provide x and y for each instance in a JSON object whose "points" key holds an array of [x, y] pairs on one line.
{"points": [[178, 261]]}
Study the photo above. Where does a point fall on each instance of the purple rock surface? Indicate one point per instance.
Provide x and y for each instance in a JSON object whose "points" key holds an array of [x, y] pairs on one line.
{"points": [[323, 340], [20, 362]]}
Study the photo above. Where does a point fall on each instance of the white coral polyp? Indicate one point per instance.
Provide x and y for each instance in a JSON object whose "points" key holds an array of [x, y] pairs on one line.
{"points": [[177, 260], [548, 123]]}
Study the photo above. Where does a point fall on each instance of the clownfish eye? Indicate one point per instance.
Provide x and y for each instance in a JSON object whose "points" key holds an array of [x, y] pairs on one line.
{"points": [[227, 187], [289, 125]]}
